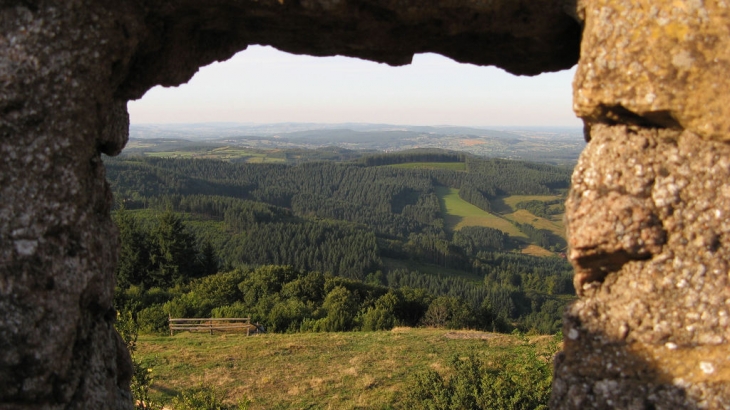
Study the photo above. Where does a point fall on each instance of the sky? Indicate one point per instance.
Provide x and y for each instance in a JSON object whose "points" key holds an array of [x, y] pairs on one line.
{"points": [[264, 85]]}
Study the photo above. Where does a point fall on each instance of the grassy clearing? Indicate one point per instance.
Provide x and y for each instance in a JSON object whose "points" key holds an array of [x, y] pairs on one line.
{"points": [[459, 213], [525, 217], [316, 370], [451, 166], [535, 250], [172, 154]]}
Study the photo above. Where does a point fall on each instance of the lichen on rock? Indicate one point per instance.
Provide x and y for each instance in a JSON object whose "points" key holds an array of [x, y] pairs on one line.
{"points": [[647, 215], [655, 63]]}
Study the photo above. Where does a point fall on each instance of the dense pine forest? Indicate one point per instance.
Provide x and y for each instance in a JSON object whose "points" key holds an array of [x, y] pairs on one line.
{"points": [[330, 246]]}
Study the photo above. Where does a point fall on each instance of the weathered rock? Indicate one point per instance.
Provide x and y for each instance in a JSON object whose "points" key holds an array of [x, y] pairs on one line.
{"points": [[67, 69], [646, 216], [649, 237], [58, 347], [521, 36], [647, 213], [656, 63]]}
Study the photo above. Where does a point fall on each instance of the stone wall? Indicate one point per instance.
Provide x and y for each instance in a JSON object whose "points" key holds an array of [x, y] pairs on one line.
{"points": [[646, 215]]}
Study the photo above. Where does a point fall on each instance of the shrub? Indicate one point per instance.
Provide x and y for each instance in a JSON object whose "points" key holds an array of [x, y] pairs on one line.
{"points": [[449, 312], [341, 309], [206, 398], [153, 319], [519, 382], [142, 374], [378, 319], [235, 310]]}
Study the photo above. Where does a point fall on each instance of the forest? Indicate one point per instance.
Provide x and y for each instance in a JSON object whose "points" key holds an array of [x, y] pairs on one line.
{"points": [[335, 246]]}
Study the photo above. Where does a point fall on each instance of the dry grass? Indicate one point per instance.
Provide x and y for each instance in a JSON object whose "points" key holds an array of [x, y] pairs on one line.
{"points": [[535, 250], [310, 370]]}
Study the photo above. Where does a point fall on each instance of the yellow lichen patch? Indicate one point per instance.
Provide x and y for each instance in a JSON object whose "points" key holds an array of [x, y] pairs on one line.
{"points": [[680, 365], [676, 30], [674, 54]]}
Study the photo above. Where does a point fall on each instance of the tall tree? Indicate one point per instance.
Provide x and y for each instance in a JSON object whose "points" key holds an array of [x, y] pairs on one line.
{"points": [[208, 262], [174, 251], [134, 254]]}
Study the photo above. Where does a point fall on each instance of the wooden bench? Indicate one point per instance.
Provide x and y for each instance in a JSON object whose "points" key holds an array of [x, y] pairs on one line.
{"points": [[213, 324]]}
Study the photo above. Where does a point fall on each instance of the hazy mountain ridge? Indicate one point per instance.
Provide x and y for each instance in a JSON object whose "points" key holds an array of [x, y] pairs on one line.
{"points": [[556, 145]]}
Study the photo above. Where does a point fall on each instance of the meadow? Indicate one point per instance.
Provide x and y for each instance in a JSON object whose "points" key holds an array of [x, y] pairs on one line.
{"points": [[347, 370], [458, 213], [225, 153]]}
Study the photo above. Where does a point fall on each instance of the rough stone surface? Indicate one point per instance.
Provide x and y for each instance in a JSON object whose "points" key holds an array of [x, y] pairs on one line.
{"points": [[656, 62], [58, 347], [647, 215], [649, 236], [521, 36], [67, 70]]}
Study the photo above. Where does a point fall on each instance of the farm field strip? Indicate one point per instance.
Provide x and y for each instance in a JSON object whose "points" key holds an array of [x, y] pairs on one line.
{"points": [[221, 153], [525, 217], [459, 213]]}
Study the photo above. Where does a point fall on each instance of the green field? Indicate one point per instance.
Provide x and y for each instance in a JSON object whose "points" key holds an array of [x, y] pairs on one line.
{"points": [[459, 213], [317, 370], [508, 209], [451, 166], [221, 153]]}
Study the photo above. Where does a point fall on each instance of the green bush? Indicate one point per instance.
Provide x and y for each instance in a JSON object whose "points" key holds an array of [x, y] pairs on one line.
{"points": [[141, 380], [287, 315], [520, 382], [204, 398], [449, 312], [378, 319], [235, 310], [341, 308], [153, 319]]}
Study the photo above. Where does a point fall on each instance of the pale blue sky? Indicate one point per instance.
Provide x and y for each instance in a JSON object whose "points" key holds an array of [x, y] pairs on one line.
{"points": [[263, 85]]}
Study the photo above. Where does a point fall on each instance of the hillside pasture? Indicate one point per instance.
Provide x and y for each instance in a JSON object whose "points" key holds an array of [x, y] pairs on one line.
{"points": [[535, 250], [459, 213], [429, 269], [225, 153], [523, 216], [317, 370]]}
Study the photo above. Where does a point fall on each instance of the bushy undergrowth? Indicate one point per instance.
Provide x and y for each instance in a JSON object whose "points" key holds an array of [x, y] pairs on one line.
{"points": [[520, 381], [204, 398], [286, 300]]}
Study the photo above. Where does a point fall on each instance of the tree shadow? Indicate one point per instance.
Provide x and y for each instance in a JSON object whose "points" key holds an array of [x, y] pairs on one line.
{"points": [[498, 206]]}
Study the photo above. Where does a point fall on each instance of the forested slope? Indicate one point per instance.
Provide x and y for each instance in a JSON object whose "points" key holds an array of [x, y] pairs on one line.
{"points": [[347, 220]]}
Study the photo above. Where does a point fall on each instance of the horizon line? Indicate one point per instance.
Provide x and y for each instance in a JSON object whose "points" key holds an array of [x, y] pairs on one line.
{"points": [[350, 122]]}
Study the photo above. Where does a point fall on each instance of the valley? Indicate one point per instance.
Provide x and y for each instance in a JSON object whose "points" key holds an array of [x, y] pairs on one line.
{"points": [[375, 262]]}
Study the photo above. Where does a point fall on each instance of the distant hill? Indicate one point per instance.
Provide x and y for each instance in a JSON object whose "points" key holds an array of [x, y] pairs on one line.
{"points": [[553, 145]]}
